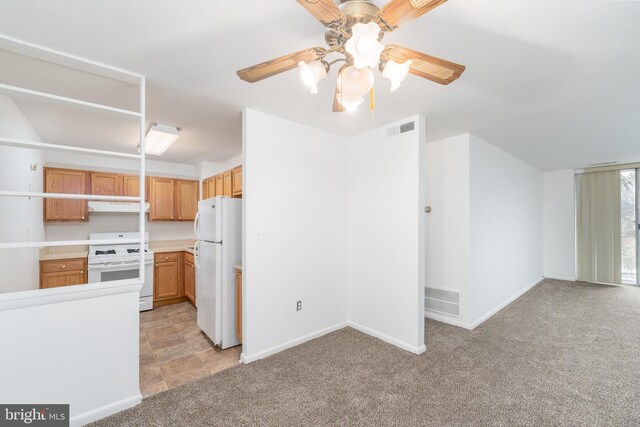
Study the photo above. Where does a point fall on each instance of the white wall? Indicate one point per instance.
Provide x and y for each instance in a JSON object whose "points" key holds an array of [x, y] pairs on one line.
{"points": [[485, 231], [108, 222], [209, 169], [20, 218], [448, 223], [294, 190], [559, 225], [506, 228], [71, 345], [386, 225]]}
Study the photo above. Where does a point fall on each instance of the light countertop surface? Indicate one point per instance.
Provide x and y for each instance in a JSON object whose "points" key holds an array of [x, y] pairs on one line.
{"points": [[68, 252]]}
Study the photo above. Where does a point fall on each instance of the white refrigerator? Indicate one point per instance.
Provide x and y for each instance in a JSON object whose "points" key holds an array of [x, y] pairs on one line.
{"points": [[218, 230]]}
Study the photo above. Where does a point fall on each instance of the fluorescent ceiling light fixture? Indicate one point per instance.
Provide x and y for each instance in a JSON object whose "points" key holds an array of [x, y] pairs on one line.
{"points": [[160, 138], [364, 45], [396, 73], [312, 73]]}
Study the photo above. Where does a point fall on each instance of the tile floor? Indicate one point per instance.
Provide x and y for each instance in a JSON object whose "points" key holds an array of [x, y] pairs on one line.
{"points": [[174, 351]]}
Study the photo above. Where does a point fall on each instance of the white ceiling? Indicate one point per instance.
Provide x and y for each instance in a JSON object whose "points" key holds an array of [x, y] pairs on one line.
{"points": [[555, 83]]}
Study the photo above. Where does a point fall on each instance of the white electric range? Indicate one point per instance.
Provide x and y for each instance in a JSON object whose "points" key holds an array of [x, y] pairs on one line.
{"points": [[121, 261]]}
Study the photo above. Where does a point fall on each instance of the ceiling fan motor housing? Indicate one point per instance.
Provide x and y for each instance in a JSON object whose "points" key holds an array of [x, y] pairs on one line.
{"points": [[356, 11]]}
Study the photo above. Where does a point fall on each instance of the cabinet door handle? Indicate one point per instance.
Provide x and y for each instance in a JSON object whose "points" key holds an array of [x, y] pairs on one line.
{"points": [[64, 266]]}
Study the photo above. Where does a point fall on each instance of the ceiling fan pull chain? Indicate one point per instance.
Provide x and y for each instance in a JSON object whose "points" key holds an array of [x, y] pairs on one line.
{"points": [[372, 103]]}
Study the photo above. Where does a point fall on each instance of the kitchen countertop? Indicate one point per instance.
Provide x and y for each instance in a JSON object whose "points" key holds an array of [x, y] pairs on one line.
{"points": [[172, 246], [64, 252]]}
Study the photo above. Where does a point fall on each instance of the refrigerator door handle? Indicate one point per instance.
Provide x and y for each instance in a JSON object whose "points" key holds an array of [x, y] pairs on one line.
{"points": [[195, 254], [196, 226]]}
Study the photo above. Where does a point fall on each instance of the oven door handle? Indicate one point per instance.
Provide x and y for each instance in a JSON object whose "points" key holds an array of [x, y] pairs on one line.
{"points": [[117, 266]]}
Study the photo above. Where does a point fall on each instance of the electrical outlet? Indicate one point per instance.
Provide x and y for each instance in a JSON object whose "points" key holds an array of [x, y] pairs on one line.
{"points": [[299, 306], [261, 235]]}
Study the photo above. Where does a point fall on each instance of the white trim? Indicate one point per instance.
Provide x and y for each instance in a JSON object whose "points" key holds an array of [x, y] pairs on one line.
{"points": [[278, 348], [17, 245], [43, 53], [14, 300], [401, 344], [105, 411], [56, 99], [487, 316], [23, 143], [70, 196], [446, 319], [564, 279]]}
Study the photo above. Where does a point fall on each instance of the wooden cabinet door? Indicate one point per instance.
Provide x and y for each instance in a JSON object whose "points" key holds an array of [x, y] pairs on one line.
{"points": [[106, 184], [166, 280], [212, 187], [189, 278], [236, 181], [186, 200], [205, 189], [228, 187], [66, 272], [131, 186], [162, 199], [238, 275], [68, 278], [219, 185], [69, 182]]}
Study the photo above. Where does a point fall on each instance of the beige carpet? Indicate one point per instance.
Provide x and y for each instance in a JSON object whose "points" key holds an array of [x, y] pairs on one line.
{"points": [[563, 354]]}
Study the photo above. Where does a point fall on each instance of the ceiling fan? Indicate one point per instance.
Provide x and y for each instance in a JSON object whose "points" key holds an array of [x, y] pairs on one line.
{"points": [[355, 29]]}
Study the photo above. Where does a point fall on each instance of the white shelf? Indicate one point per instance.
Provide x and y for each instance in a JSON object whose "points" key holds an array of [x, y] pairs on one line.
{"points": [[21, 47], [70, 196], [22, 143], [19, 245], [56, 99]]}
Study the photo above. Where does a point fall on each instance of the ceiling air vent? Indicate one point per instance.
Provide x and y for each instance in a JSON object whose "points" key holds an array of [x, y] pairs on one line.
{"points": [[403, 128]]}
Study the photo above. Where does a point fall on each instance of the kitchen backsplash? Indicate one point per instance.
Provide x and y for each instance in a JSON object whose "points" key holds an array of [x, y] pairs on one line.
{"points": [[109, 222]]}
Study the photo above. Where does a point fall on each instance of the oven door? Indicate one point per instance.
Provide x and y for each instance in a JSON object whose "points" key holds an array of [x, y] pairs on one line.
{"points": [[110, 272]]}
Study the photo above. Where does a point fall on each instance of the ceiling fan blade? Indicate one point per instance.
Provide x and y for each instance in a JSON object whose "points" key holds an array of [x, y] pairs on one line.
{"points": [[325, 11], [425, 66], [337, 107], [280, 65], [400, 12]]}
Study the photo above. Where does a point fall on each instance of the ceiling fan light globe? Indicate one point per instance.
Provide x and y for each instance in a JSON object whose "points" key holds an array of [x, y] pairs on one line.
{"points": [[311, 74], [354, 82], [364, 45], [396, 73], [350, 103]]}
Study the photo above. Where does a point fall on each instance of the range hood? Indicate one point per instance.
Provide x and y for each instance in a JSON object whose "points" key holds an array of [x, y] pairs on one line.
{"points": [[116, 207]]}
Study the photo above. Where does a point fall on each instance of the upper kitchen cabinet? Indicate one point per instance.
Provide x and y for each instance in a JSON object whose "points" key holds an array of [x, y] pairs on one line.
{"points": [[162, 196], [186, 200], [65, 181], [227, 178], [237, 181], [106, 184], [173, 199], [219, 185], [131, 186]]}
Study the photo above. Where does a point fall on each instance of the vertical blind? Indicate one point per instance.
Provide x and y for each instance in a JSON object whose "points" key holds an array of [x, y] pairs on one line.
{"points": [[599, 252]]}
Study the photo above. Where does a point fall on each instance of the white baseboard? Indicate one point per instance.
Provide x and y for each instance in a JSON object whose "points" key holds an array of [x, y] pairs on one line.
{"points": [[447, 319], [105, 411], [268, 352], [566, 279], [485, 317], [388, 339]]}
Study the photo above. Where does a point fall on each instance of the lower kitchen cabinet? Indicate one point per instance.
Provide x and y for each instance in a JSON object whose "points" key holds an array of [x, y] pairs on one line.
{"points": [[189, 278], [167, 276], [63, 272], [238, 276]]}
